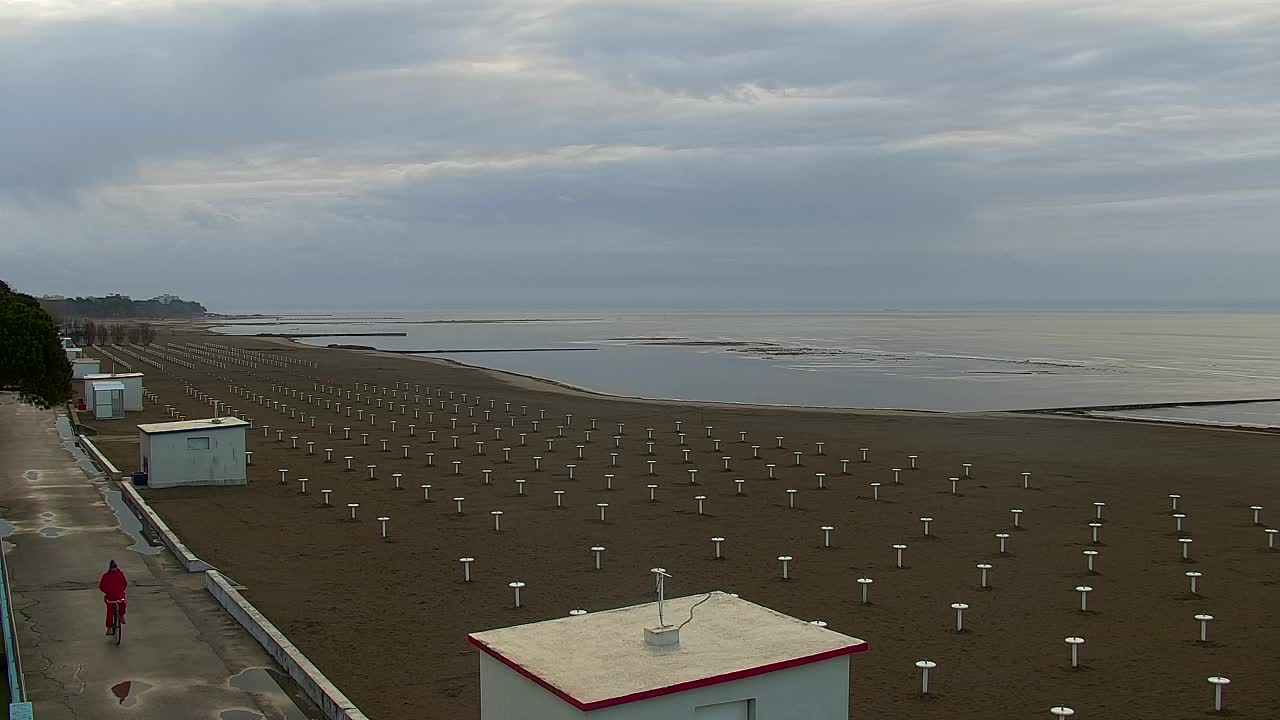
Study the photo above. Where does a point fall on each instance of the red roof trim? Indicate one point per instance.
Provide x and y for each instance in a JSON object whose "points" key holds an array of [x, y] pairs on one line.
{"points": [[527, 673], [670, 689]]}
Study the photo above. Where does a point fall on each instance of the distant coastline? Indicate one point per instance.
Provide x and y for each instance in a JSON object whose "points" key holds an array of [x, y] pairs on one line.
{"points": [[370, 348], [1087, 367], [535, 382], [336, 320]]}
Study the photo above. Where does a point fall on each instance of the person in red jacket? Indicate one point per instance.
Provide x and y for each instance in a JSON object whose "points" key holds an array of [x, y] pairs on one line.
{"points": [[112, 586]]}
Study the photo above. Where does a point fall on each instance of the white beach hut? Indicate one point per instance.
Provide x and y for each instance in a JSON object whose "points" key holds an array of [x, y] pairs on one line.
{"points": [[104, 396], [193, 452], [732, 660], [132, 383], [84, 366]]}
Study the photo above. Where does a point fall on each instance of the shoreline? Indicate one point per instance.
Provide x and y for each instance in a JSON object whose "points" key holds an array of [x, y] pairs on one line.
{"points": [[536, 383]]}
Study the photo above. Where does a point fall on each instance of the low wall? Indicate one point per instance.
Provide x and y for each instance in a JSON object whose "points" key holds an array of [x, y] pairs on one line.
{"points": [[318, 688], [76, 426], [149, 517], [98, 458], [323, 693], [19, 708]]}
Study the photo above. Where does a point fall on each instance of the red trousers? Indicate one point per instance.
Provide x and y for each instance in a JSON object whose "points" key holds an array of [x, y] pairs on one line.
{"points": [[111, 612]]}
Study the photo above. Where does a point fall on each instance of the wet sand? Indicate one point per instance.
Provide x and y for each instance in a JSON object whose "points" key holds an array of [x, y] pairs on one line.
{"points": [[386, 621]]}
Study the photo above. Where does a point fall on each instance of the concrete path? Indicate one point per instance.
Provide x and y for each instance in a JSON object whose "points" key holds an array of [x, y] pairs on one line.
{"points": [[182, 656]]}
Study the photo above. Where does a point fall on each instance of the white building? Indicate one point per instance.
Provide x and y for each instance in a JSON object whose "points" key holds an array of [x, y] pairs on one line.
{"points": [[132, 388], [85, 366], [193, 452], [104, 397], [734, 660]]}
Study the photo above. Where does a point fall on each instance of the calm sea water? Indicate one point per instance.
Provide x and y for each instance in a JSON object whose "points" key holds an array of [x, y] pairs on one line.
{"points": [[946, 361]]}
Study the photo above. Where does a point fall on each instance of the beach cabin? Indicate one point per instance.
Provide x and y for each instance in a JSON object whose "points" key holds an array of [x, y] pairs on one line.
{"points": [[84, 366], [193, 452], [731, 660], [73, 353], [104, 397], [132, 383]]}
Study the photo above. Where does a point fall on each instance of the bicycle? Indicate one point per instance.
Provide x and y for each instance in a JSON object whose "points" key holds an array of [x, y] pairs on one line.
{"points": [[117, 620]]}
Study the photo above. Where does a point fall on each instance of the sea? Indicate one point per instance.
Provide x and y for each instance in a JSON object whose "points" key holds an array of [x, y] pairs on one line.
{"points": [[945, 361]]}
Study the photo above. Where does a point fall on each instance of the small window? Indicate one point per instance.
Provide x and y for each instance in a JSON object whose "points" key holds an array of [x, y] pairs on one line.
{"points": [[198, 443]]}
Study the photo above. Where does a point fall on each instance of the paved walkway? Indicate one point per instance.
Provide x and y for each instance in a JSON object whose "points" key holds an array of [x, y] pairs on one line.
{"points": [[182, 657]]}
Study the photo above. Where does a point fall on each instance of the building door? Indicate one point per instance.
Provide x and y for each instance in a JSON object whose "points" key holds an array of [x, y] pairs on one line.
{"points": [[736, 710], [108, 404]]}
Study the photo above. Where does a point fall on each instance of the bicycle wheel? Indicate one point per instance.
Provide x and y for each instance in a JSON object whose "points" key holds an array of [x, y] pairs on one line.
{"points": [[118, 629]]}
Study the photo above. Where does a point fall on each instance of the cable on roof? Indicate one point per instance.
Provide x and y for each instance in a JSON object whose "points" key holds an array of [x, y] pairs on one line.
{"points": [[691, 609]]}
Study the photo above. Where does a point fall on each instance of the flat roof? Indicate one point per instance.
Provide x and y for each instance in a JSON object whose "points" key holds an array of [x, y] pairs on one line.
{"points": [[108, 376], [85, 360], [108, 385], [600, 659], [190, 425]]}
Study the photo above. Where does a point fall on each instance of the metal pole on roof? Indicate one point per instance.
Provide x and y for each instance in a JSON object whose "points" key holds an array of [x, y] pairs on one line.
{"points": [[660, 574]]}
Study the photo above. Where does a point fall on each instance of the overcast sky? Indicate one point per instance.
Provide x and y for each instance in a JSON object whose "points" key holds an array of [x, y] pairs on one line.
{"points": [[543, 153]]}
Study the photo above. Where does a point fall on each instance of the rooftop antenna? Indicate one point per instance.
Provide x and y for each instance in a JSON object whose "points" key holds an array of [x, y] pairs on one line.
{"points": [[660, 575], [663, 635]]}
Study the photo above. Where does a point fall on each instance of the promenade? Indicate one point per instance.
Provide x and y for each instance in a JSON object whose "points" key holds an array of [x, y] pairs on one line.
{"points": [[182, 656]]}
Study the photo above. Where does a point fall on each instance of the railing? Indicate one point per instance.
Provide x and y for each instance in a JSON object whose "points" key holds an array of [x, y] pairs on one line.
{"points": [[18, 705]]}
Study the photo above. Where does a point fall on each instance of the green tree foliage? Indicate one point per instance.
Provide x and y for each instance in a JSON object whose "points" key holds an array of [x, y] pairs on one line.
{"points": [[32, 360], [122, 307]]}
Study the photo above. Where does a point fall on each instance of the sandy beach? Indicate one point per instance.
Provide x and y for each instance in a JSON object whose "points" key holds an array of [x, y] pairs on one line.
{"points": [[387, 620]]}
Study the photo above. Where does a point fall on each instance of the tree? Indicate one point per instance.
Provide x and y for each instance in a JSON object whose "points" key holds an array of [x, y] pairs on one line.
{"points": [[32, 360], [119, 307]]}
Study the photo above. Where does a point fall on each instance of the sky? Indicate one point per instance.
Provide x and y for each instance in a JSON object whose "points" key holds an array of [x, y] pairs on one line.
{"points": [[513, 155]]}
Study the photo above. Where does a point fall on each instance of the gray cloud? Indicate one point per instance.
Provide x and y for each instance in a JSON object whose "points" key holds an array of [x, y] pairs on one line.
{"points": [[862, 154]]}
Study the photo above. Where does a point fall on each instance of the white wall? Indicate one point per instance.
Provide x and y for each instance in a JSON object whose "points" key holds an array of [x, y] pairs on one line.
{"points": [[144, 448], [132, 390], [85, 366], [817, 691], [505, 693], [99, 401], [132, 393], [170, 463]]}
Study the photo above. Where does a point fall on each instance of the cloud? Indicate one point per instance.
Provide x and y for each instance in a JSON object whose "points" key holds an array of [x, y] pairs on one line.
{"points": [[705, 147]]}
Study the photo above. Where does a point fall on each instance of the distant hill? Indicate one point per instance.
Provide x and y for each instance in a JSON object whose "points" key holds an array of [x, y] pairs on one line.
{"points": [[121, 307]]}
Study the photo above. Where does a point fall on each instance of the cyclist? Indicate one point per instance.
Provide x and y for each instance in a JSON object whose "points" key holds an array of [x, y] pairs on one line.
{"points": [[112, 586]]}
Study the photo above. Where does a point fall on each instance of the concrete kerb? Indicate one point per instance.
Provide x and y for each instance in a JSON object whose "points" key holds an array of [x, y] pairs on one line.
{"points": [[149, 517], [322, 692], [98, 458], [75, 422], [318, 688]]}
